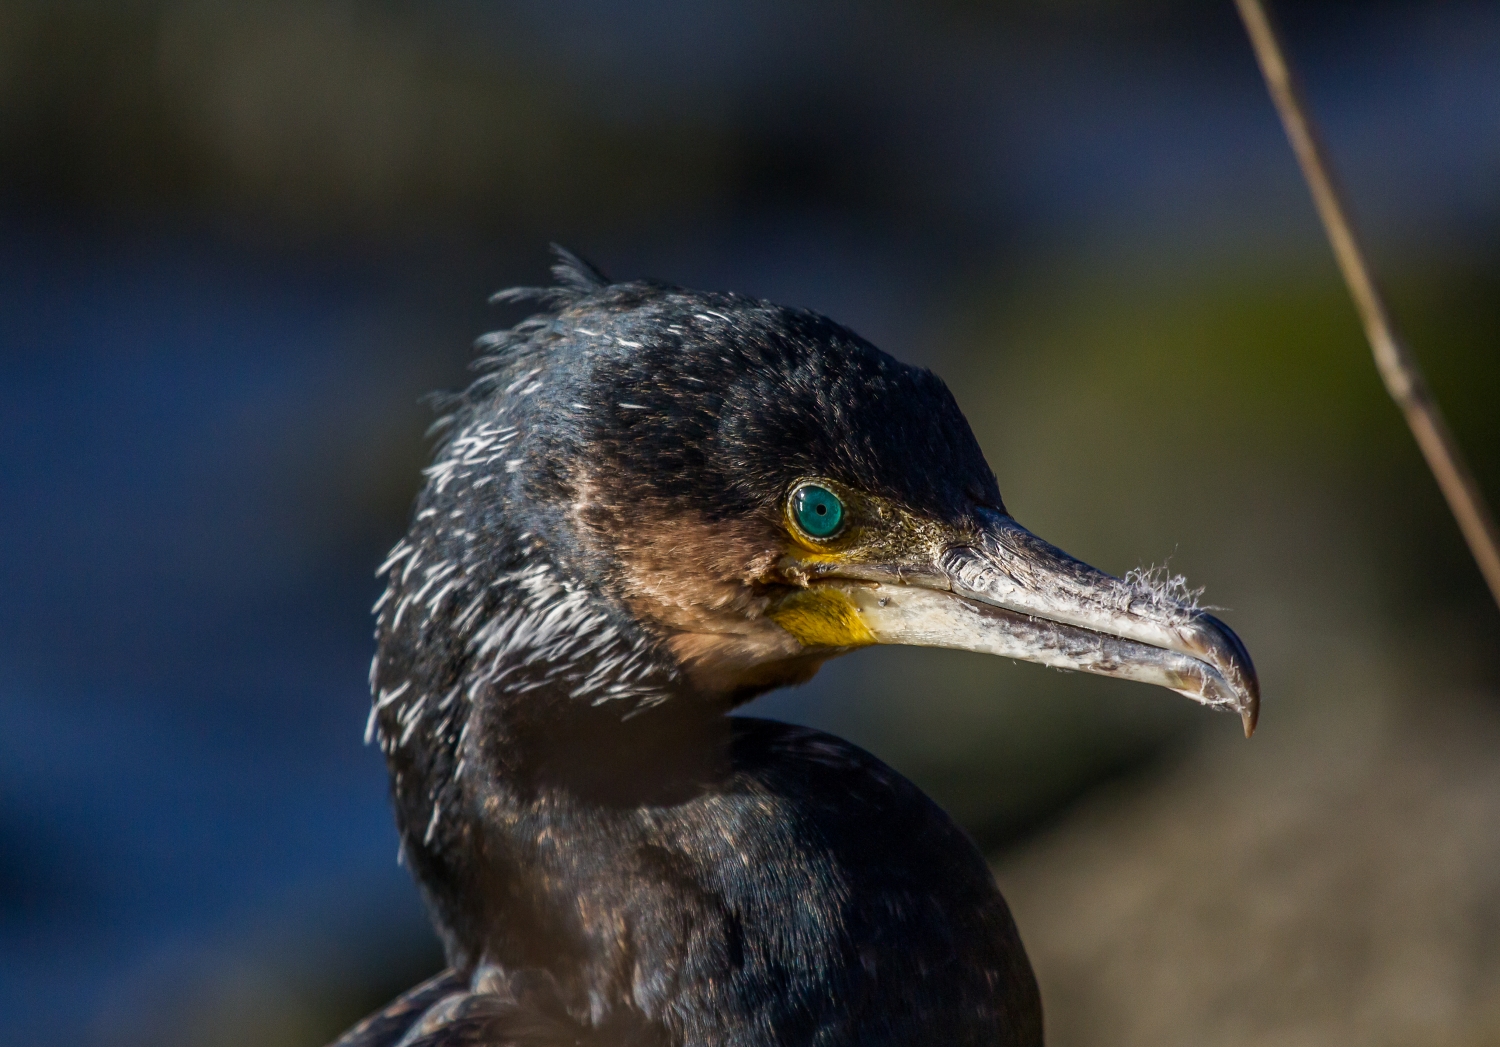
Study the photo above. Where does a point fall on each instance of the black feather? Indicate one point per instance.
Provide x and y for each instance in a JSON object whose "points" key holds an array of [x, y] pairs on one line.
{"points": [[573, 271]]}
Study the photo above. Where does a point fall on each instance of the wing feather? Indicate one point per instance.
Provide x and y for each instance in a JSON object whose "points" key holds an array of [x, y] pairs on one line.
{"points": [[519, 1010], [387, 1026]]}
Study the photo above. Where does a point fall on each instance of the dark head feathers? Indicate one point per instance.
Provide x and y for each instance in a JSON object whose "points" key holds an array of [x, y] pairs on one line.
{"points": [[715, 398], [572, 270], [576, 278]]}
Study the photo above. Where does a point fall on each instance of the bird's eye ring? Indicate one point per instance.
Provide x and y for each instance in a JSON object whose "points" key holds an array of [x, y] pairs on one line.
{"points": [[817, 511]]}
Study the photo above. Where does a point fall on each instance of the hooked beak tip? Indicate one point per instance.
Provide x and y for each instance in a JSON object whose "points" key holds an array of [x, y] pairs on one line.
{"points": [[1219, 646]]}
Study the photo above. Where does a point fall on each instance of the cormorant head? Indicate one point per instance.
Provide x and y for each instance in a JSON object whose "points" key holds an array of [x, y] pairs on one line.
{"points": [[736, 492]]}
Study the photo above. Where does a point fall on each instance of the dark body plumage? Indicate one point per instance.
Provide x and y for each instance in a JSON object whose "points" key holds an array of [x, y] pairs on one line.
{"points": [[608, 857]]}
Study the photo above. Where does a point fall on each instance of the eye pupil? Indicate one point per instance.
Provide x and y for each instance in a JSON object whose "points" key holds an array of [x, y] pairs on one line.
{"points": [[817, 510]]}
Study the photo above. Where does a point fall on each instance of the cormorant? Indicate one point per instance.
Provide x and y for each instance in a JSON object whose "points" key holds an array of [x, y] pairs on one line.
{"points": [[652, 505]]}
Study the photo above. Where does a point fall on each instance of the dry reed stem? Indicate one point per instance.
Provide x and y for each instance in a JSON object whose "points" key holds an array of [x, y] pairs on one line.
{"points": [[1402, 377]]}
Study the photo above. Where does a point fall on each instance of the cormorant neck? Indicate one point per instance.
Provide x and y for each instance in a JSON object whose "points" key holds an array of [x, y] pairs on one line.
{"points": [[521, 691]]}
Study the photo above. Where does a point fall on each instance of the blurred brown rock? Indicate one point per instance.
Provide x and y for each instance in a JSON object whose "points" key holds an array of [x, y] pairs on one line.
{"points": [[1336, 881]]}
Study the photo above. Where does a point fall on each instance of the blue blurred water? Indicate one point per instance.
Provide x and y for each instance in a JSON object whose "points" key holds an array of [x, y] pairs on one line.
{"points": [[184, 651]]}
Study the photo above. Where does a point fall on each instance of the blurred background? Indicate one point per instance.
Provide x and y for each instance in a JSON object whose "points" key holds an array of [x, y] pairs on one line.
{"points": [[238, 243]]}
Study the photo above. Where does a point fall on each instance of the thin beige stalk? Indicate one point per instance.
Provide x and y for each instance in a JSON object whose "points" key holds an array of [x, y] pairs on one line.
{"points": [[1402, 377]]}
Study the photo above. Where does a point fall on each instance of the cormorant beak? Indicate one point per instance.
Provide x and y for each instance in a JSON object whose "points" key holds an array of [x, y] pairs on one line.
{"points": [[1005, 591]]}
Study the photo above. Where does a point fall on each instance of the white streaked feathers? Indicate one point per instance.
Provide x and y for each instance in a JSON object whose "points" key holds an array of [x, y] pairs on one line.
{"points": [[521, 630]]}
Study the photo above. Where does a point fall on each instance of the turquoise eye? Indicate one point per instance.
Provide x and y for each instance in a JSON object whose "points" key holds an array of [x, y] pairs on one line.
{"points": [[817, 510]]}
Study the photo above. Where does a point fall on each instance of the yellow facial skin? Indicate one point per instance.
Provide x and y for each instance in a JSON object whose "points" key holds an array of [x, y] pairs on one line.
{"points": [[876, 532], [822, 617]]}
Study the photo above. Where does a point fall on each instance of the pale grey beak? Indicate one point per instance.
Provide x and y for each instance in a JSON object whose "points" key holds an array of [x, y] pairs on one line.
{"points": [[1007, 592]]}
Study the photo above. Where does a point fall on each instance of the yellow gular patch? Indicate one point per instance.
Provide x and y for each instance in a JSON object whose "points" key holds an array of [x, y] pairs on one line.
{"points": [[811, 555], [822, 617]]}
